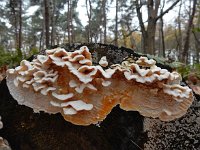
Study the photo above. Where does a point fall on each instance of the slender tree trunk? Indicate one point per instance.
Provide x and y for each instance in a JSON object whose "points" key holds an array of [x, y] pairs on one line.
{"points": [[144, 42], [104, 20], [180, 37], [46, 8], [116, 23], [41, 38], [68, 21], [133, 42], [89, 15], [143, 30], [163, 38], [124, 36], [53, 23], [20, 25], [188, 32], [100, 36], [13, 5], [71, 23], [197, 46], [16, 9], [58, 39]]}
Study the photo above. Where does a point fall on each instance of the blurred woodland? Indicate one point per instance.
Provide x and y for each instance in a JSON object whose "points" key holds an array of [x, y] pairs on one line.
{"points": [[28, 26]]}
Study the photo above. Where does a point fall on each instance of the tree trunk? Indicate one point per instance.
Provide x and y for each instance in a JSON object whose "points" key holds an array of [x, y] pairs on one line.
{"points": [[20, 25], [144, 42], [41, 37], [46, 9], [12, 5], [104, 20], [188, 33], [152, 8], [53, 23], [71, 23], [151, 30], [16, 9], [89, 15], [124, 36], [116, 23], [148, 33], [68, 21], [180, 37], [162, 38]]}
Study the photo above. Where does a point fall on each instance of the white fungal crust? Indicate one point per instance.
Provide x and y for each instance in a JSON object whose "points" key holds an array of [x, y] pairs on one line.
{"points": [[106, 83], [72, 107], [103, 61], [145, 62], [62, 97], [68, 83]]}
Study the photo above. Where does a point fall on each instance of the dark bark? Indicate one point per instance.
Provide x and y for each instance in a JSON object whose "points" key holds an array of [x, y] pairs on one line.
{"points": [[163, 38], [180, 134]]}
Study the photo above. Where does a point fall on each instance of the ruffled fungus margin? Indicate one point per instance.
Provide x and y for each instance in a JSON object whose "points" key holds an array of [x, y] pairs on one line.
{"points": [[85, 94]]}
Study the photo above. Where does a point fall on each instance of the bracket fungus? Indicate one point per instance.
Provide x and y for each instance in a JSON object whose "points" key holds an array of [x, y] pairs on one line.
{"points": [[68, 82]]}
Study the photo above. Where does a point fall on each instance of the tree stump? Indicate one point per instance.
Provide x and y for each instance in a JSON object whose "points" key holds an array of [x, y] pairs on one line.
{"points": [[25, 130], [121, 130]]}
